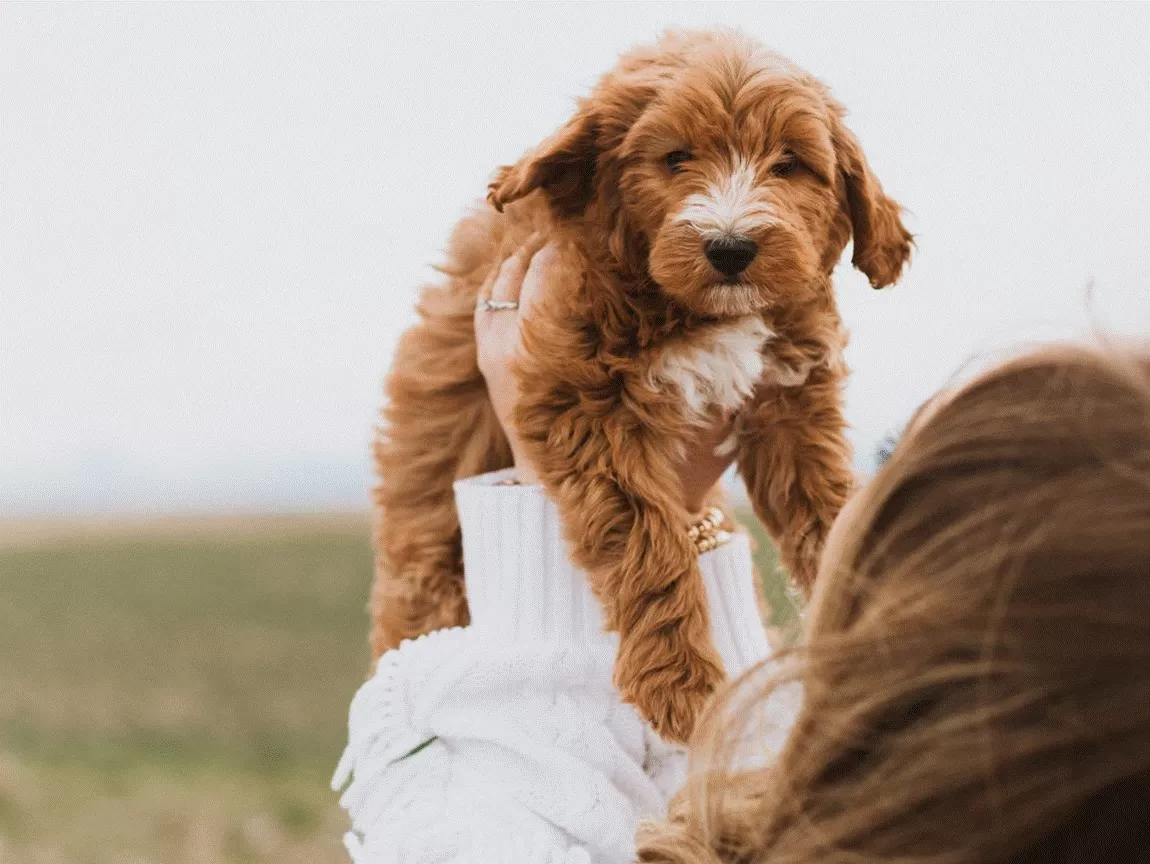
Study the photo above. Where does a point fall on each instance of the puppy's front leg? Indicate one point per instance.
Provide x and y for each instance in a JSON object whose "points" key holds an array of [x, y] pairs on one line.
{"points": [[613, 477], [796, 462]]}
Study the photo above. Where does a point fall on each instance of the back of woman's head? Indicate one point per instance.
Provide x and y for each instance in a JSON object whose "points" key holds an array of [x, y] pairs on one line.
{"points": [[976, 673]]}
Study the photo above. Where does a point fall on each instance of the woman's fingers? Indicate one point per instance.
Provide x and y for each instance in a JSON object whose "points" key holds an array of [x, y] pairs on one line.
{"points": [[519, 279], [510, 277], [494, 330], [534, 280]]}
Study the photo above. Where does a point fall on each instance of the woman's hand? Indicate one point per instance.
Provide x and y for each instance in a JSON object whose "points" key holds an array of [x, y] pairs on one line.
{"points": [[522, 278]]}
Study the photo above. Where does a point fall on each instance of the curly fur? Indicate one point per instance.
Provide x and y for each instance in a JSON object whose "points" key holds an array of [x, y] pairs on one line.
{"points": [[638, 341]]}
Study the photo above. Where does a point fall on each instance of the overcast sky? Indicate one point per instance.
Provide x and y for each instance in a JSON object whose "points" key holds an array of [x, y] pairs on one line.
{"points": [[213, 218]]}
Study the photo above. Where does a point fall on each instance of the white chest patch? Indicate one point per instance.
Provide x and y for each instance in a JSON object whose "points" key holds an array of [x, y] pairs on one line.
{"points": [[717, 370]]}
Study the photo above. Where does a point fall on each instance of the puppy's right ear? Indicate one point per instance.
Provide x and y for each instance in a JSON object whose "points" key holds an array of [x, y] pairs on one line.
{"points": [[563, 166]]}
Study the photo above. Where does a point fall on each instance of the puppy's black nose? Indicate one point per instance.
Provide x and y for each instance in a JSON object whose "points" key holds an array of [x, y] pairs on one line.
{"points": [[731, 255]]}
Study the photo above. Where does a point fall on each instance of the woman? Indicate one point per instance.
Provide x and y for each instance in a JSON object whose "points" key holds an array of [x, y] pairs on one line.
{"points": [[976, 670], [975, 678]]}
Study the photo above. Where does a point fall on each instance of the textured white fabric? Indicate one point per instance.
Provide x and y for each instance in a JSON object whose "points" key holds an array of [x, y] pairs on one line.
{"points": [[504, 742]]}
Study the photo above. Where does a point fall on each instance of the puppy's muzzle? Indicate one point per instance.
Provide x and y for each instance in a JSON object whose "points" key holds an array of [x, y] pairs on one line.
{"points": [[731, 255]]}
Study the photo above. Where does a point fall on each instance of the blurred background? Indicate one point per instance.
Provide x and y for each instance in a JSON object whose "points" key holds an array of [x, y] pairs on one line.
{"points": [[213, 222]]}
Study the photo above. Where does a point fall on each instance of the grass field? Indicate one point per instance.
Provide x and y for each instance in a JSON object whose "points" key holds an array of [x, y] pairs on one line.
{"points": [[177, 691]]}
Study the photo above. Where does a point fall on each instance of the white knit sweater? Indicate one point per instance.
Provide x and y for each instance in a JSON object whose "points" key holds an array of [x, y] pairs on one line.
{"points": [[504, 742]]}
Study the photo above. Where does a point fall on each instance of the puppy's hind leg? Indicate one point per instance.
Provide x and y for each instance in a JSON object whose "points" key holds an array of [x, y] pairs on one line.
{"points": [[438, 425]]}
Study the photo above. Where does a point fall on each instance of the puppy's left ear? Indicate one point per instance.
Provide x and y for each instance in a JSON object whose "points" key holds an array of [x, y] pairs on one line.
{"points": [[882, 244], [563, 166]]}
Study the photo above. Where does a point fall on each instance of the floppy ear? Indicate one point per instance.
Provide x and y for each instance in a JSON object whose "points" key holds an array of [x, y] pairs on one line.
{"points": [[881, 242], [563, 166]]}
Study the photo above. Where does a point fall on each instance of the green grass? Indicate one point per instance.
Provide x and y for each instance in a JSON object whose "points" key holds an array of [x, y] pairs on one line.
{"points": [[180, 695], [783, 602], [180, 698]]}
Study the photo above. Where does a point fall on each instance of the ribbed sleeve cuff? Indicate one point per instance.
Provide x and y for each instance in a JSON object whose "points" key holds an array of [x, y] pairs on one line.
{"points": [[522, 586], [736, 627], [520, 583]]}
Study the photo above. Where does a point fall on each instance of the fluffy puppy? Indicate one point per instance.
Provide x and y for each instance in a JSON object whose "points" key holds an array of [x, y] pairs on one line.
{"points": [[699, 198]]}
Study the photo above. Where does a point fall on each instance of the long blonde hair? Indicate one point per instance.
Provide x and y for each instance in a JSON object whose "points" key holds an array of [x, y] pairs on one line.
{"points": [[976, 674]]}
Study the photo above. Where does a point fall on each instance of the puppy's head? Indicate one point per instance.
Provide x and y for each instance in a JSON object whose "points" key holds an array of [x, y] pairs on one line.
{"points": [[720, 170]]}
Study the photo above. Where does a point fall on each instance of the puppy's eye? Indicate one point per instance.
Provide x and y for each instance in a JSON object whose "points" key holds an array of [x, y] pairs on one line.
{"points": [[675, 159], [786, 166]]}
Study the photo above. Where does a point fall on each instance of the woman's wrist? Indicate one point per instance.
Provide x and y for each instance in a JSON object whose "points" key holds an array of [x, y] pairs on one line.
{"points": [[707, 532], [520, 583], [522, 586], [524, 473]]}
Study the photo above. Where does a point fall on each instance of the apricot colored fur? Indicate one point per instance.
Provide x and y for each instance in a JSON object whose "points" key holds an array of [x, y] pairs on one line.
{"points": [[632, 286]]}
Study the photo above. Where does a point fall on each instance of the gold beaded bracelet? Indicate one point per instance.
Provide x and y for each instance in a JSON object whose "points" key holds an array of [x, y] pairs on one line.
{"points": [[707, 533]]}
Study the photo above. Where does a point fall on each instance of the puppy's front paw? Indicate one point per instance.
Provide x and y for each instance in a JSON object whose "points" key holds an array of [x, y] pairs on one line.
{"points": [[672, 696], [804, 566]]}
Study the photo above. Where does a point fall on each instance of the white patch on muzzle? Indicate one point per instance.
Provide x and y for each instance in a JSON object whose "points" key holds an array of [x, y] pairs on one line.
{"points": [[729, 207]]}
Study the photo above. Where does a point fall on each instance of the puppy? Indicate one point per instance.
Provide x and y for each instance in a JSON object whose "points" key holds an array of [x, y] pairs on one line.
{"points": [[699, 199]]}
